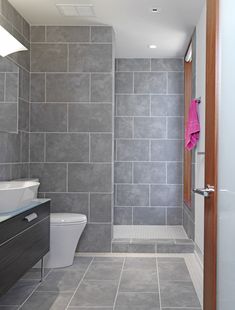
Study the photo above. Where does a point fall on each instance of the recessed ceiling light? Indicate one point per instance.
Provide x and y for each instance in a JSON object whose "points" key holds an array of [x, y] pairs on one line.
{"points": [[156, 10], [152, 46]]}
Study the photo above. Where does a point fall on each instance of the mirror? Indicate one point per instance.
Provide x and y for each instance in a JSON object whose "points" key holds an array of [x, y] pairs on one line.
{"points": [[9, 95]]}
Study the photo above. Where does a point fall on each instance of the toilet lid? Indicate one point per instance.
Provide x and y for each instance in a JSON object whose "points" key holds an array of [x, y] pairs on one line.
{"points": [[67, 218]]}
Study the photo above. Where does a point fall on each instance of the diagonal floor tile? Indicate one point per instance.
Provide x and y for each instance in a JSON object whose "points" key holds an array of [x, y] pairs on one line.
{"points": [[139, 281], [95, 294], [140, 263], [18, 293], [137, 301], [109, 259], [80, 263], [61, 280], [104, 271], [35, 274], [178, 294], [47, 301], [9, 307]]}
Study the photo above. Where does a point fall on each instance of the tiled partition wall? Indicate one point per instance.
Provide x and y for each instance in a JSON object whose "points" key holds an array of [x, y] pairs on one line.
{"points": [[149, 139], [14, 147], [71, 124]]}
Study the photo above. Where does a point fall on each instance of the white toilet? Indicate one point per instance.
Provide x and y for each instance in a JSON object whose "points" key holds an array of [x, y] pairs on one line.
{"points": [[66, 230]]}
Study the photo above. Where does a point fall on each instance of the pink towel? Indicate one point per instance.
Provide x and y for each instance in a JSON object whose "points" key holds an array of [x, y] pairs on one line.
{"points": [[193, 126]]}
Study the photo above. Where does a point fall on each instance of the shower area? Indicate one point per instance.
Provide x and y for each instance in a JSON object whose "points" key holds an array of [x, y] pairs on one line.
{"points": [[148, 157]]}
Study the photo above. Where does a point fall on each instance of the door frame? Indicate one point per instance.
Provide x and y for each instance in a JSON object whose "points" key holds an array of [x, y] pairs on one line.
{"points": [[211, 151]]}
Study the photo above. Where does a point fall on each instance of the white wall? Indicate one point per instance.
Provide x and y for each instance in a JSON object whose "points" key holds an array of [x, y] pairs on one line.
{"points": [[226, 186], [200, 158]]}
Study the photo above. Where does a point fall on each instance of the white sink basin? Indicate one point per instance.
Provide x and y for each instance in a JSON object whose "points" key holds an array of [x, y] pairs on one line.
{"points": [[17, 194]]}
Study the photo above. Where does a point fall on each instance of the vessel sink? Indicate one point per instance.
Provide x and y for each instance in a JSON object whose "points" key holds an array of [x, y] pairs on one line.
{"points": [[17, 194]]}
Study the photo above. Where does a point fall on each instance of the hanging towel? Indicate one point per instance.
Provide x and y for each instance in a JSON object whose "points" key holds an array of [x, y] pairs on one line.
{"points": [[193, 126]]}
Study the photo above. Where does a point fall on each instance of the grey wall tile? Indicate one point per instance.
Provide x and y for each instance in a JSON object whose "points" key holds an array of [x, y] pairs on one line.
{"points": [[150, 127], [37, 33], [68, 33], [53, 117], [2, 86], [175, 173], [123, 127], [101, 148], [175, 127], [122, 172], [133, 64], [24, 79], [73, 87], [69, 202], [133, 150], [133, 105], [96, 238], [48, 57], [90, 57], [152, 82], [167, 64], [149, 172], [90, 117], [101, 208], [89, 178], [37, 147], [37, 87], [52, 176], [166, 195], [20, 170], [23, 114], [149, 216], [11, 87], [101, 88], [5, 172], [67, 147], [124, 82], [122, 216], [132, 195], [175, 82], [8, 117], [24, 147], [101, 34], [167, 105], [10, 148], [174, 216], [166, 150]]}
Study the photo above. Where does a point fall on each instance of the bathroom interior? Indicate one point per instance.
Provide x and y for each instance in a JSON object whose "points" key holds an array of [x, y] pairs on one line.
{"points": [[96, 203]]}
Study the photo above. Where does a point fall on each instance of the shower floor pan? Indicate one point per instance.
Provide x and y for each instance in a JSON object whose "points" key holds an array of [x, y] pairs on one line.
{"points": [[150, 239]]}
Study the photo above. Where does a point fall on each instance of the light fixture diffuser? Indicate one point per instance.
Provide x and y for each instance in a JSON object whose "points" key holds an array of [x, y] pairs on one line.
{"points": [[79, 10], [152, 46], [9, 44]]}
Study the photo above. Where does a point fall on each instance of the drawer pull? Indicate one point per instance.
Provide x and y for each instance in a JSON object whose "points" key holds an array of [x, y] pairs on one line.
{"points": [[31, 217]]}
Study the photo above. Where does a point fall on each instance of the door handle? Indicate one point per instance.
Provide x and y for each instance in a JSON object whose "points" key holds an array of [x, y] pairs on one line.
{"points": [[205, 192], [31, 217]]}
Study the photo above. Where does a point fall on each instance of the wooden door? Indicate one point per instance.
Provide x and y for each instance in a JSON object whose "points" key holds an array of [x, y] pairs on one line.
{"points": [[210, 232]]}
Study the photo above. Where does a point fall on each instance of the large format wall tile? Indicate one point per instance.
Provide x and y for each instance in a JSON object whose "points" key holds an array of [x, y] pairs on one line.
{"points": [[101, 34], [90, 57], [101, 148], [148, 141], [101, 88], [73, 87], [67, 147], [89, 178], [37, 87], [90, 117], [67, 34]]}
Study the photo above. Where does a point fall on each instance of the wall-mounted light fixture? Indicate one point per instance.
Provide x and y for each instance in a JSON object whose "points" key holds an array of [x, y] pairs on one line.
{"points": [[9, 44]]}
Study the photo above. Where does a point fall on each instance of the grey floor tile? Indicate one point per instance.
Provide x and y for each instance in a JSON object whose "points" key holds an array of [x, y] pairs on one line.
{"points": [[95, 294], [47, 301], [61, 280], [9, 307], [173, 272], [137, 301], [35, 274], [170, 259], [91, 308], [140, 263], [109, 259], [139, 281], [80, 263], [104, 271], [18, 293], [182, 308], [178, 294]]}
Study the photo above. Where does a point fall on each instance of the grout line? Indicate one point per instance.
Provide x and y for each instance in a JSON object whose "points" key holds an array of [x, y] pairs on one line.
{"points": [[119, 282], [159, 288], [79, 284]]}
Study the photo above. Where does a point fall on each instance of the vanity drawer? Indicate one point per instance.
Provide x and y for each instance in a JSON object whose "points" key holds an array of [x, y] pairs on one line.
{"points": [[22, 252], [22, 221]]}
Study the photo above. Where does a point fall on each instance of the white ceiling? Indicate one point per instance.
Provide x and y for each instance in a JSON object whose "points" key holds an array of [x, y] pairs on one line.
{"points": [[134, 24]]}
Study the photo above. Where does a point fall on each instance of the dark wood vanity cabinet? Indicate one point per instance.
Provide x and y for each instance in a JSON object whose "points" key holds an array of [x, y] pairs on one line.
{"points": [[24, 240]]}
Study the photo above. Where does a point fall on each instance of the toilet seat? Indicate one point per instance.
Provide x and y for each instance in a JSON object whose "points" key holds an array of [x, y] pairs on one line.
{"points": [[62, 219]]}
